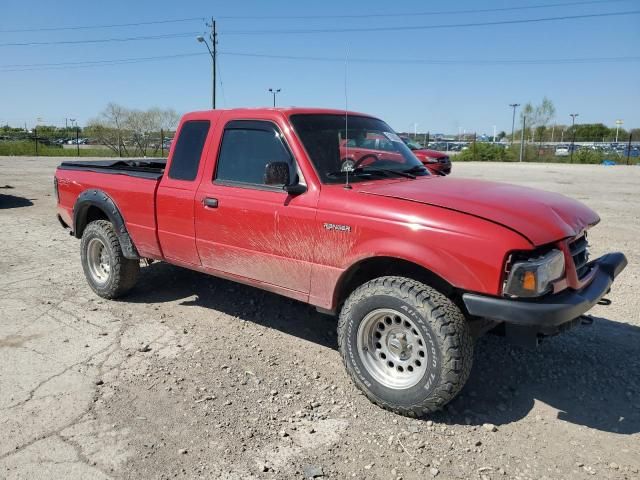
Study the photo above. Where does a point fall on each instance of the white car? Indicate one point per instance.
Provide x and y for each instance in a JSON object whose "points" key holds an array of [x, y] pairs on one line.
{"points": [[562, 151]]}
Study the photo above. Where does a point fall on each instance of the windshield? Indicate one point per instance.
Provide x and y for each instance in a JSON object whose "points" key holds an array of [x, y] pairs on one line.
{"points": [[368, 150]]}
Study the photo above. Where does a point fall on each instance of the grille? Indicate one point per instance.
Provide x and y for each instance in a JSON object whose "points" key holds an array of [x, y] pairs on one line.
{"points": [[444, 160], [580, 253]]}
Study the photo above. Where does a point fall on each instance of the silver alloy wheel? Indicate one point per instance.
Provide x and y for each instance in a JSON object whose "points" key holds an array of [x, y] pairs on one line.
{"points": [[392, 349], [98, 261]]}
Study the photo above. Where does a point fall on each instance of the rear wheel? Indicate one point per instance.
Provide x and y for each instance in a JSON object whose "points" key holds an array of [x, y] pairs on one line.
{"points": [[109, 273], [406, 346]]}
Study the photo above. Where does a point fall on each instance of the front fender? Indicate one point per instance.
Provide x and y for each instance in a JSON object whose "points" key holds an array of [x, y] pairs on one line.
{"points": [[458, 269]]}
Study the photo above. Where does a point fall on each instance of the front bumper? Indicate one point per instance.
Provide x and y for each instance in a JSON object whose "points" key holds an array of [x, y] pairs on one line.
{"points": [[552, 310]]}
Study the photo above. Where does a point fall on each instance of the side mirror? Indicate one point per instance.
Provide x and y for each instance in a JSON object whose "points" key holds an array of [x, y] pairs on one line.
{"points": [[276, 173], [296, 189]]}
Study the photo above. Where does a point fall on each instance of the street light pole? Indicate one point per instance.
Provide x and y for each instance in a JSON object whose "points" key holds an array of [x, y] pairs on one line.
{"points": [[618, 123], [573, 131], [213, 53], [274, 92], [513, 119], [524, 126]]}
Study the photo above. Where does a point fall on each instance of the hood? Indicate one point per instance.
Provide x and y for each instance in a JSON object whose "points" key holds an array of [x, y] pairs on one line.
{"points": [[541, 217]]}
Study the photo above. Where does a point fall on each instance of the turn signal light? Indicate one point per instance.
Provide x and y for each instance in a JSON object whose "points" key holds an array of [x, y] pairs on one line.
{"points": [[529, 281]]}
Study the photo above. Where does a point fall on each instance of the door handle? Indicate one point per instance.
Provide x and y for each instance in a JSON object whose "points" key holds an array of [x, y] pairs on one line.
{"points": [[210, 202]]}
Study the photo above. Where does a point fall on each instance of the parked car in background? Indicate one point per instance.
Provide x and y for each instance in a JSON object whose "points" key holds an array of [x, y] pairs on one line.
{"points": [[437, 162], [562, 151]]}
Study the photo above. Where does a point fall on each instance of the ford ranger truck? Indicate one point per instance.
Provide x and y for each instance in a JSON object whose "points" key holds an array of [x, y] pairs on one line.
{"points": [[414, 265]]}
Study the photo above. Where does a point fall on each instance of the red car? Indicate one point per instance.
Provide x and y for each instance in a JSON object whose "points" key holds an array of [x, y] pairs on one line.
{"points": [[415, 265], [364, 148], [438, 163]]}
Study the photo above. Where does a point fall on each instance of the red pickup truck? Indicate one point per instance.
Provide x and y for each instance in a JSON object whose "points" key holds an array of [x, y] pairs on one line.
{"points": [[415, 265]]}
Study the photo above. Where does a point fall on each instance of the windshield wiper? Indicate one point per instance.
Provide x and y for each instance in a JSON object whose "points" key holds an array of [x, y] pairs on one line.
{"points": [[365, 171], [416, 169], [400, 173], [358, 172]]}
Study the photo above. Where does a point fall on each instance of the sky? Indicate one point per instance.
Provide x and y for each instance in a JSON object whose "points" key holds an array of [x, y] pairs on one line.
{"points": [[396, 60]]}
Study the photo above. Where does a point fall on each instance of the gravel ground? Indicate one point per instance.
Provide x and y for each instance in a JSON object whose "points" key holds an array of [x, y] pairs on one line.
{"points": [[191, 376]]}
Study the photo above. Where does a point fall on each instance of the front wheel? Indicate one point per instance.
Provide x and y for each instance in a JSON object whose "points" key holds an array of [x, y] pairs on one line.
{"points": [[406, 346], [109, 273]]}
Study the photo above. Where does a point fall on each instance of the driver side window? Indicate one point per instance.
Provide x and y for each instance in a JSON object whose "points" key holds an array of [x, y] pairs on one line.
{"points": [[246, 150]]}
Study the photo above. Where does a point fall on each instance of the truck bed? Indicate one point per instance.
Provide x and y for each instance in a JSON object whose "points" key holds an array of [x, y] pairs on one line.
{"points": [[152, 168], [130, 183]]}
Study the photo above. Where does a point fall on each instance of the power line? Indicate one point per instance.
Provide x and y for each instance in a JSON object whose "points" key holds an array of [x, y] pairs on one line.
{"points": [[427, 27], [541, 61], [299, 17], [435, 61], [91, 63], [93, 27], [416, 14], [101, 40]]}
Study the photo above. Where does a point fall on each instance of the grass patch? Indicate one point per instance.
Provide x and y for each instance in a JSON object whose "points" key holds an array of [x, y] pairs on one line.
{"points": [[28, 148], [487, 152]]}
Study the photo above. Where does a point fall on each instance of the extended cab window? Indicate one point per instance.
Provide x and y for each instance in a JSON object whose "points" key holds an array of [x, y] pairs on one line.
{"points": [[188, 151], [247, 147]]}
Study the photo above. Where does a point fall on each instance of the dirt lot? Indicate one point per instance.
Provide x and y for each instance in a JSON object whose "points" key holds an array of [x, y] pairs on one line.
{"points": [[191, 376]]}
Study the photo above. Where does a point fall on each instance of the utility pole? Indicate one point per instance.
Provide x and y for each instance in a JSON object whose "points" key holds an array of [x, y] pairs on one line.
{"points": [[274, 92], [213, 52], [214, 40], [524, 125], [513, 119], [573, 131]]}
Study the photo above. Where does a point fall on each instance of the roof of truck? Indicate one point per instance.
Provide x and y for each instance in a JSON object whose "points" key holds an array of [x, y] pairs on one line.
{"points": [[288, 111]]}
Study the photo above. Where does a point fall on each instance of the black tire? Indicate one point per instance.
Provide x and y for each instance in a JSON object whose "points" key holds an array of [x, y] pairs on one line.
{"points": [[122, 272], [442, 329]]}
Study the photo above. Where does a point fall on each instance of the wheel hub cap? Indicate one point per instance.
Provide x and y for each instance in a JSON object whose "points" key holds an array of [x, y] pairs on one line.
{"points": [[392, 348], [399, 346], [98, 261]]}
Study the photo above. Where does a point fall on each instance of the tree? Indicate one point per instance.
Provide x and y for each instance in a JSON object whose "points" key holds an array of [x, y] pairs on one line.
{"points": [[545, 112], [119, 128], [591, 132], [108, 127], [537, 118]]}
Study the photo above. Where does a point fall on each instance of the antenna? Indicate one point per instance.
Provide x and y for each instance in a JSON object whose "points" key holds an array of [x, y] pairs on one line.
{"points": [[347, 186]]}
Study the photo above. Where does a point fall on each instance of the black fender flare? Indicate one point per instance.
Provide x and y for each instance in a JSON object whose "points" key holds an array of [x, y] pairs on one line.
{"points": [[99, 199]]}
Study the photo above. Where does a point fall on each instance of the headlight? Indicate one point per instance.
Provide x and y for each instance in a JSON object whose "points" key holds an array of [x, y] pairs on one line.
{"points": [[430, 160], [533, 277]]}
